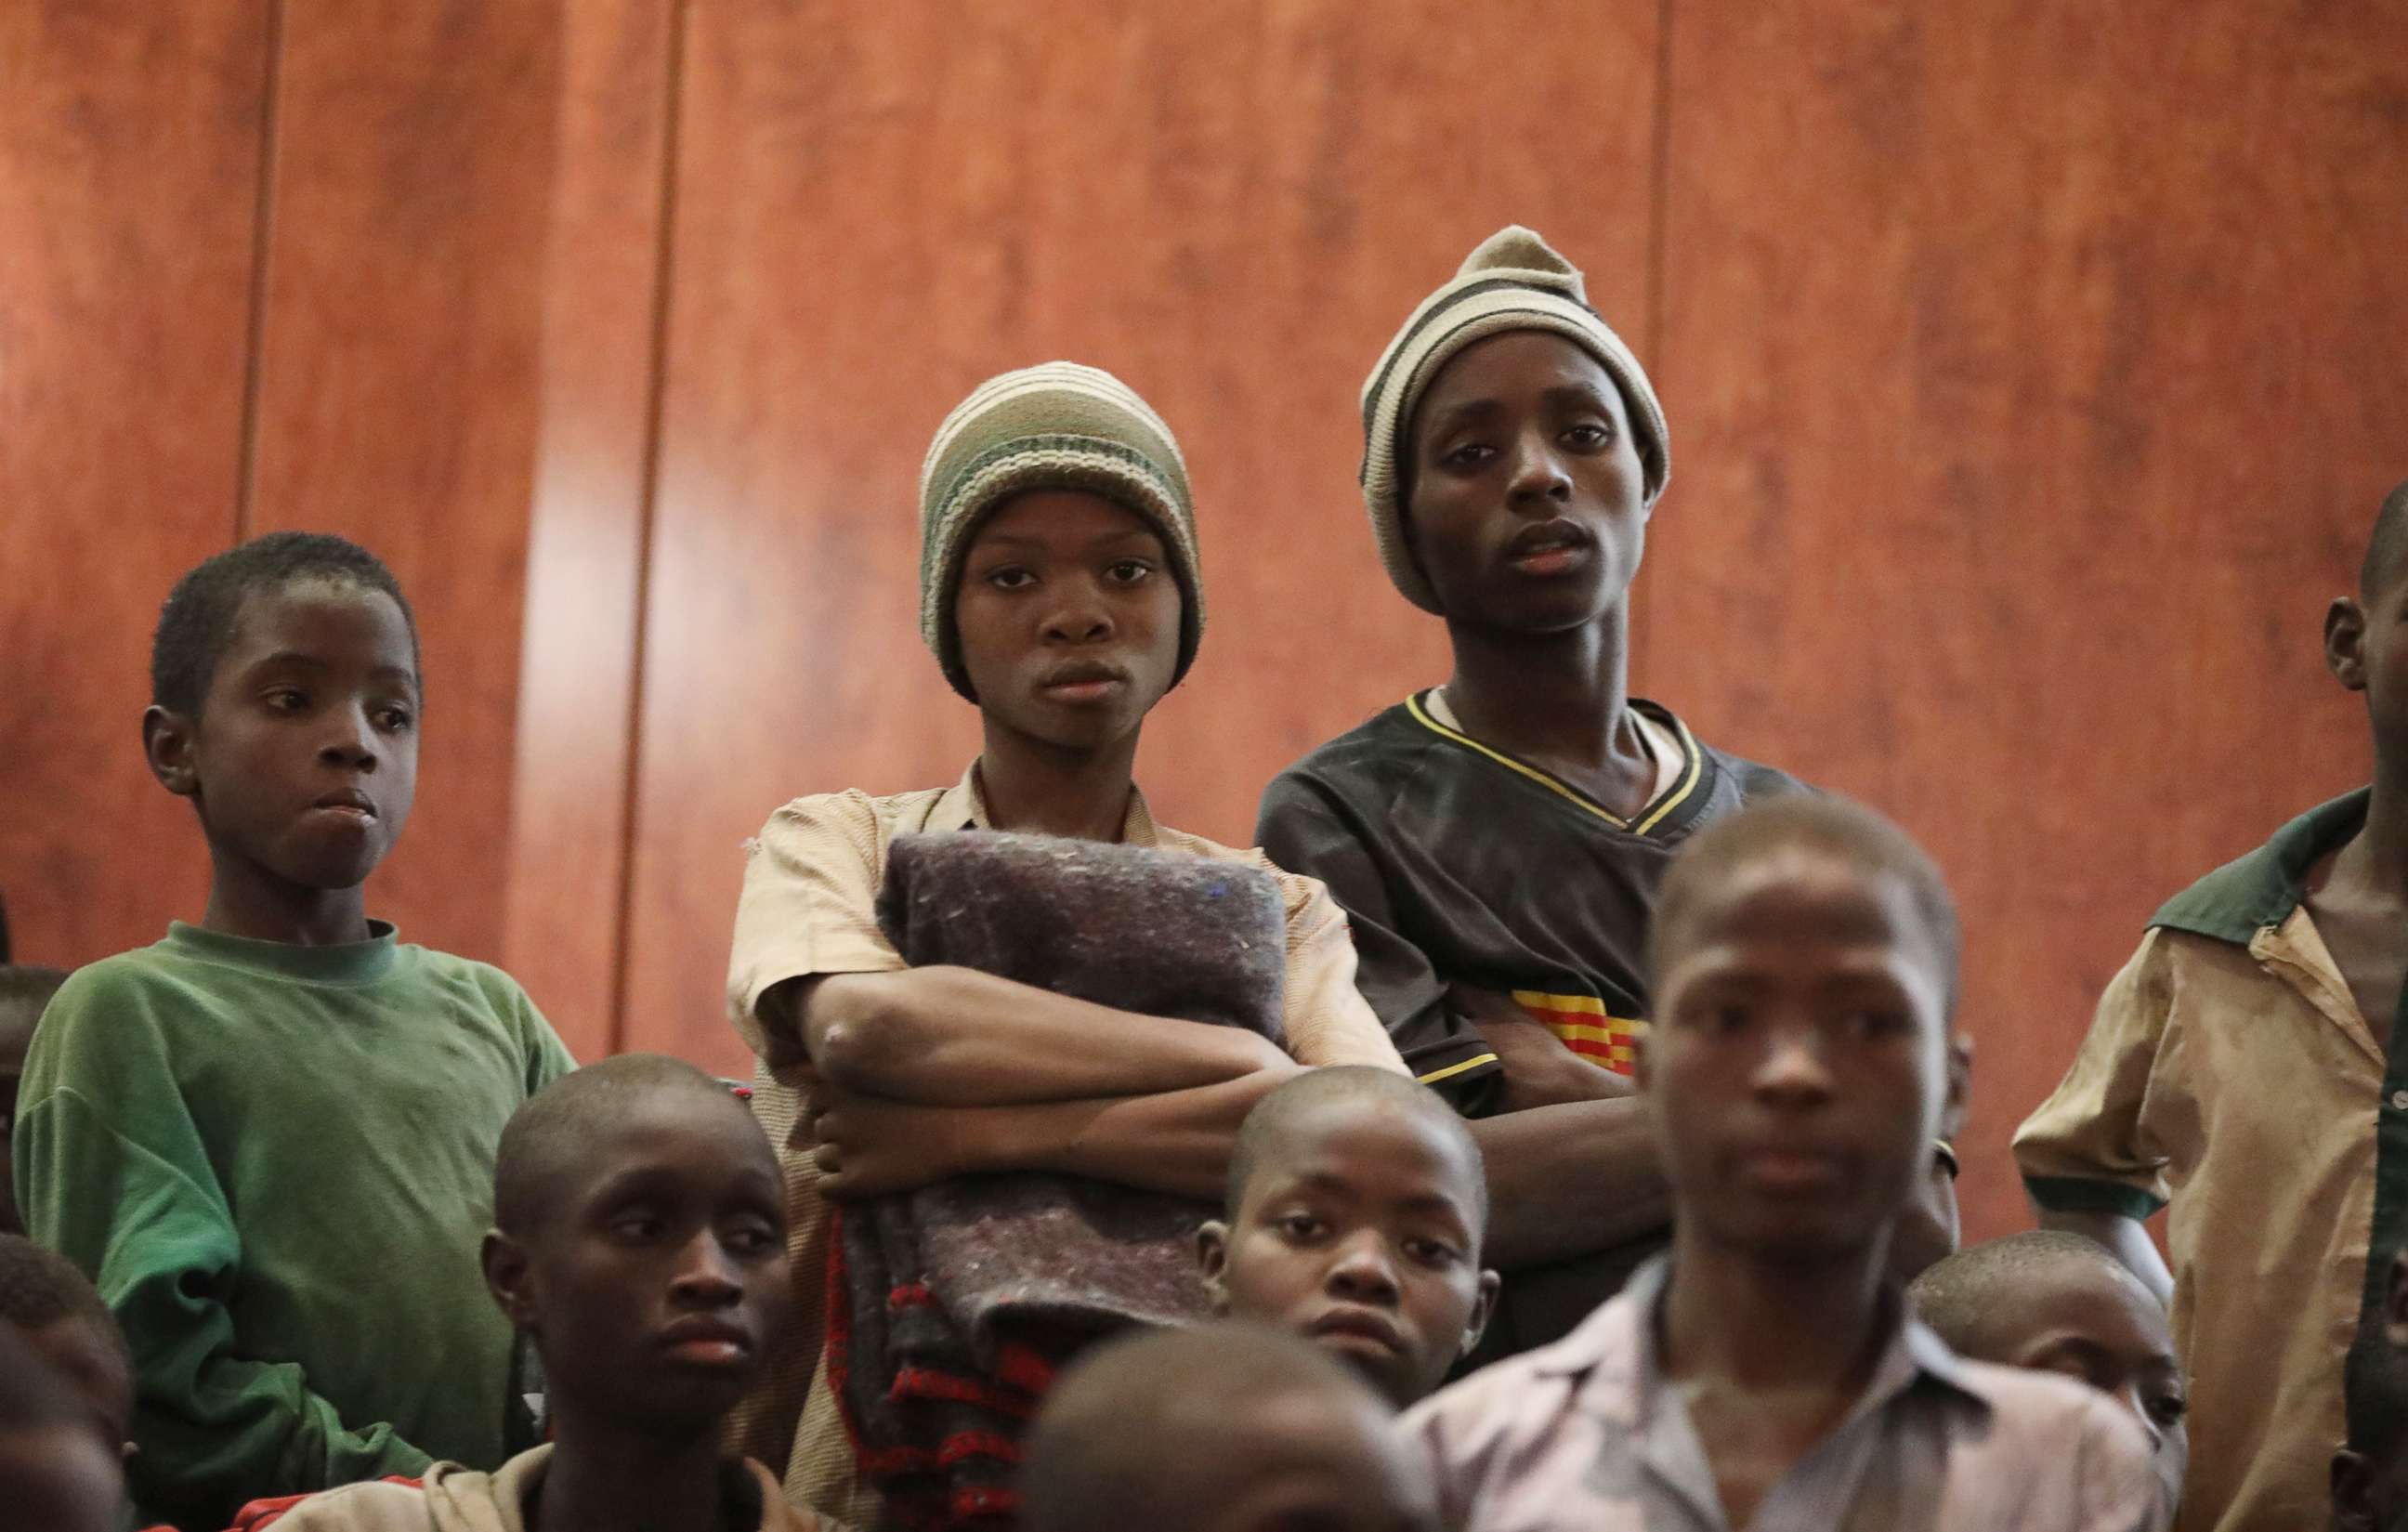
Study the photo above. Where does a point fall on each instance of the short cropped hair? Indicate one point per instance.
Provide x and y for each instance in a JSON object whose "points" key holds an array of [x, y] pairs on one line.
{"points": [[198, 619], [40, 1287], [2386, 544], [1135, 1407], [560, 1124], [1259, 1137], [28, 985], [1956, 1294], [1864, 839]]}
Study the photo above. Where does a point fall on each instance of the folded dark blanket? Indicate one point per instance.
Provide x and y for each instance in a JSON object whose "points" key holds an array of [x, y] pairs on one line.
{"points": [[950, 1308]]}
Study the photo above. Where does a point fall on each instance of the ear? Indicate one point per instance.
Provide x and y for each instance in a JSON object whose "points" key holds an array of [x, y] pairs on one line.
{"points": [[1212, 1259], [2353, 1482], [167, 745], [1482, 1307], [508, 1278], [1960, 1086], [2345, 642]]}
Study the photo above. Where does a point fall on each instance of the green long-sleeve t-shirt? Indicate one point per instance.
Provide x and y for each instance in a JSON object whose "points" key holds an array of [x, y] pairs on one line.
{"points": [[276, 1163]]}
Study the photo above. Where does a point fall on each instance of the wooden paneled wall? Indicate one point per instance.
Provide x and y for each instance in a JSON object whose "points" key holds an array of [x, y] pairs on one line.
{"points": [[2029, 370]]}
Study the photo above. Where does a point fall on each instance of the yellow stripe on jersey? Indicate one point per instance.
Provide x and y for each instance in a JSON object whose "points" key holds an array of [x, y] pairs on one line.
{"points": [[1454, 1069]]}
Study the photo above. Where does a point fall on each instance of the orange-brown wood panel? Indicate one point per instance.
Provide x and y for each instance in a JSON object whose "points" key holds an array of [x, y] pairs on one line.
{"points": [[2033, 377], [1231, 206], [129, 160], [567, 854], [398, 377]]}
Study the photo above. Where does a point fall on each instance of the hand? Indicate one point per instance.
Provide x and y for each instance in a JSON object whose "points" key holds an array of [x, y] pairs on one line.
{"points": [[870, 1147], [1540, 1071]]}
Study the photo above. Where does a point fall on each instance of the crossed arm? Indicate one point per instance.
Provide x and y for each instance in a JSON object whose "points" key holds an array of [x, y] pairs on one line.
{"points": [[921, 1074]]}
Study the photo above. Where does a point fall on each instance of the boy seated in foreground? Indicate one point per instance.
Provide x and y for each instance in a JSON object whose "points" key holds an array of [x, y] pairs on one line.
{"points": [[1220, 1429], [1356, 1210], [1767, 1373], [640, 1241], [2058, 1302]]}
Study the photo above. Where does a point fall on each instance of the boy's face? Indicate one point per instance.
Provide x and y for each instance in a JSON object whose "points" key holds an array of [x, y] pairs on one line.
{"points": [[2087, 1321], [16, 1036], [59, 1480], [1528, 504], [1068, 618], [1360, 1231], [1797, 1068], [303, 759], [659, 1283]]}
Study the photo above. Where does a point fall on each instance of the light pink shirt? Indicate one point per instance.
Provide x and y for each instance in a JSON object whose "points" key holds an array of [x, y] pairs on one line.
{"points": [[1587, 1435]]}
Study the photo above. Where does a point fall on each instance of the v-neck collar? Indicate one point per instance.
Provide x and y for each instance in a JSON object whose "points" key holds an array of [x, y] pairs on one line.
{"points": [[1693, 770]]}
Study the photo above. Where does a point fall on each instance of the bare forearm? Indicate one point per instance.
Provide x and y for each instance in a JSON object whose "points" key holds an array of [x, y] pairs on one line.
{"points": [[2127, 1238], [1177, 1142], [956, 1038], [1564, 1181]]}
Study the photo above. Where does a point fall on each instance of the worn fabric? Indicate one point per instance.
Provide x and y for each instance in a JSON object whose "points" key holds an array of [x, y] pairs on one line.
{"points": [[1458, 864], [1057, 427], [455, 1499], [1513, 282], [2228, 1072], [965, 1297], [810, 908], [276, 1163], [1589, 1436]]}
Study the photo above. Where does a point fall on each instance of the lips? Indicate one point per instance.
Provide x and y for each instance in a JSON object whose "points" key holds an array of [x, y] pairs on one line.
{"points": [[1549, 547], [1793, 1167], [708, 1341], [1082, 681], [348, 800], [1363, 1324]]}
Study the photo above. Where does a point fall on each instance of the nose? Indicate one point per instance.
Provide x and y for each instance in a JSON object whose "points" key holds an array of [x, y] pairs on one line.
{"points": [[349, 742], [1080, 616], [1792, 1070], [1539, 480], [704, 1279], [1363, 1273]]}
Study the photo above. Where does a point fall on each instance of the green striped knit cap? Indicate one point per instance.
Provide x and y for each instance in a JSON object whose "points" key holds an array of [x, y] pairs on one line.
{"points": [[1054, 426], [1513, 282]]}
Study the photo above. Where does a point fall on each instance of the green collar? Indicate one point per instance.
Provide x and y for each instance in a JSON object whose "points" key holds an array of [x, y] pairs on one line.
{"points": [[345, 962], [2243, 897]]}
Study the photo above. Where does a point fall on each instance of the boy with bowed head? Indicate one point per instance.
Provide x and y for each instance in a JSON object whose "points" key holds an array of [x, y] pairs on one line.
{"points": [[1497, 841], [1768, 1373], [1059, 592]]}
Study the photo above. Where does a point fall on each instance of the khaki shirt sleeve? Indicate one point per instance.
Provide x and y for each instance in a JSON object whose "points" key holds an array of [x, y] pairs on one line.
{"points": [[808, 907], [2090, 1148], [1327, 1020]]}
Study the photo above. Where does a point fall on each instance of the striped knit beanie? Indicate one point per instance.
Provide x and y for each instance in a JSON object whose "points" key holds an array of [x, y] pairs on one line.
{"points": [[1054, 426], [1513, 282]]}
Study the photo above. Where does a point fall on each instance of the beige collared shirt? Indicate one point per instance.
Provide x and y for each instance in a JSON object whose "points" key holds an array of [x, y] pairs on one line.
{"points": [[2242, 1085], [808, 908], [1588, 1435]]}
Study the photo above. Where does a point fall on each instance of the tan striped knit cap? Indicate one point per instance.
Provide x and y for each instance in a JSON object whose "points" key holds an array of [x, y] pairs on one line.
{"points": [[1054, 426], [1513, 282]]}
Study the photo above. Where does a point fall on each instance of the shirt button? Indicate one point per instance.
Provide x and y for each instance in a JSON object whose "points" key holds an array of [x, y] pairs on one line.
{"points": [[2400, 1101]]}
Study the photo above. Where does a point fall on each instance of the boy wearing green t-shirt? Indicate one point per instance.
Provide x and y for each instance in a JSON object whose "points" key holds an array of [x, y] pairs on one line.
{"points": [[269, 1137]]}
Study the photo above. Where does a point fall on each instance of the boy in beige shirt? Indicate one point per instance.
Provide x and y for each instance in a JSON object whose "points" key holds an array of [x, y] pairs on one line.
{"points": [[1058, 582]]}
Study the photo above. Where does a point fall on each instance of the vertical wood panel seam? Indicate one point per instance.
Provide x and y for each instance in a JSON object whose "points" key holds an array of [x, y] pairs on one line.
{"points": [[656, 392], [1659, 184], [262, 235]]}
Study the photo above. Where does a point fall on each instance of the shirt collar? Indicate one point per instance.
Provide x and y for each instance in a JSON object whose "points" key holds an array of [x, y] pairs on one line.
{"points": [[963, 807], [1623, 1378], [2238, 899]]}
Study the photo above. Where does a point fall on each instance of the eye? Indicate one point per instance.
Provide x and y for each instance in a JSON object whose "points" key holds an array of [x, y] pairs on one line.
{"points": [[2169, 1410], [638, 1227], [394, 719], [1471, 455], [1299, 1227], [1872, 1024], [1726, 1019], [1129, 571], [1432, 1253], [286, 699], [752, 1237], [1010, 577], [1589, 434]]}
